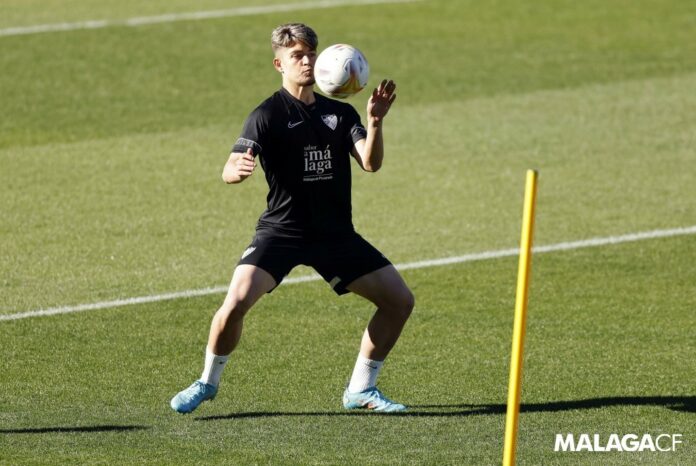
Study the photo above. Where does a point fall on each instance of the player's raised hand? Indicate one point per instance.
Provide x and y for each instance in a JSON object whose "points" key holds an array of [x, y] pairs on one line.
{"points": [[239, 166], [381, 99]]}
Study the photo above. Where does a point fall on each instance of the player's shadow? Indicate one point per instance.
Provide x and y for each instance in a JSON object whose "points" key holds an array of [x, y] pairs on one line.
{"points": [[685, 404], [72, 429]]}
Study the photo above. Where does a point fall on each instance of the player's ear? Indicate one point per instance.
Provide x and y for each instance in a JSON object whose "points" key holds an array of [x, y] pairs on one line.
{"points": [[278, 65]]}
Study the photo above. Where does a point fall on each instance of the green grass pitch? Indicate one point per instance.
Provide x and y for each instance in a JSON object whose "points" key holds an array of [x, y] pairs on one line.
{"points": [[111, 145]]}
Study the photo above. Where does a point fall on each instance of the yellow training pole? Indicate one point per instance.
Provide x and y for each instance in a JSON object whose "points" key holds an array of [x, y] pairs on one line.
{"points": [[513, 403]]}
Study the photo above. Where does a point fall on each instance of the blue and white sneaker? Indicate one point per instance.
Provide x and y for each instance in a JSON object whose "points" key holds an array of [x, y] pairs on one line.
{"points": [[371, 399], [187, 400]]}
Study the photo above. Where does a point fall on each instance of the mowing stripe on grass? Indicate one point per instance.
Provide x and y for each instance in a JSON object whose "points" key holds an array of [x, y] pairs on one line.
{"points": [[190, 16], [566, 246]]}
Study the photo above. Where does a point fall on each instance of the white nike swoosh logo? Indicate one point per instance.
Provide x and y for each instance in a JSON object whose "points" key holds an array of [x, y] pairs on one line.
{"points": [[292, 125]]}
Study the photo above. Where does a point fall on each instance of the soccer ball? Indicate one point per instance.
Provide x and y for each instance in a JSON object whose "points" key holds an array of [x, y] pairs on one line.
{"points": [[341, 70]]}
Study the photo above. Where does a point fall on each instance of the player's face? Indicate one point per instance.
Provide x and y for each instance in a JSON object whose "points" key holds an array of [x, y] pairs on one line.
{"points": [[297, 63]]}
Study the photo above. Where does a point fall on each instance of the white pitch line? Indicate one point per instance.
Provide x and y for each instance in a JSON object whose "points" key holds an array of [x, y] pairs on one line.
{"points": [[566, 246], [192, 16]]}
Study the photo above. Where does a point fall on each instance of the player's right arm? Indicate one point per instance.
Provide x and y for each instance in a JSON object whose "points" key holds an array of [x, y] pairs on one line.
{"points": [[254, 136], [239, 167]]}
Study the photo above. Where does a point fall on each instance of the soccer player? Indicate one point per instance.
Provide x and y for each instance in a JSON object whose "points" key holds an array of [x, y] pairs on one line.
{"points": [[304, 142]]}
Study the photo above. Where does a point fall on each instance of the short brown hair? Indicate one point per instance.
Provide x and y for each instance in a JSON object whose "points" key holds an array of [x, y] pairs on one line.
{"points": [[288, 34]]}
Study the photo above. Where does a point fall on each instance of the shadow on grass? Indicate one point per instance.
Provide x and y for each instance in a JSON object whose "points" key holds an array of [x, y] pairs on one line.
{"points": [[68, 429], [685, 404], [676, 403]]}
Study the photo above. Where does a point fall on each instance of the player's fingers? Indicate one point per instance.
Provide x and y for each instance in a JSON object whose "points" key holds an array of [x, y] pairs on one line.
{"points": [[381, 86], [248, 155], [246, 163], [388, 88], [392, 99]]}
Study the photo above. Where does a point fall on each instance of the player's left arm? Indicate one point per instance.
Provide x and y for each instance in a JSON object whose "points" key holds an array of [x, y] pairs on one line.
{"points": [[369, 151]]}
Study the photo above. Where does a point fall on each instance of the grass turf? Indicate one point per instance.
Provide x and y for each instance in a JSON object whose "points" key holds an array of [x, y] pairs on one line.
{"points": [[101, 392], [111, 155]]}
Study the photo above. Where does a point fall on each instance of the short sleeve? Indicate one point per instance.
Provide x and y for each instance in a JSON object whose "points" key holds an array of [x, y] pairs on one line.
{"points": [[254, 133], [356, 129]]}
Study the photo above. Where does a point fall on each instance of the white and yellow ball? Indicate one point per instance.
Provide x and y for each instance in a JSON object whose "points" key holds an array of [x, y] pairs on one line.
{"points": [[341, 71]]}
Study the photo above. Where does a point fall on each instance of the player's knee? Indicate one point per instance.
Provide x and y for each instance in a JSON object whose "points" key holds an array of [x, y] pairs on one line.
{"points": [[235, 307], [409, 302], [403, 303]]}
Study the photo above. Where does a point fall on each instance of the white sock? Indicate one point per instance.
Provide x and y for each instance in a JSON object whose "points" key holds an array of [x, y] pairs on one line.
{"points": [[214, 365], [364, 375]]}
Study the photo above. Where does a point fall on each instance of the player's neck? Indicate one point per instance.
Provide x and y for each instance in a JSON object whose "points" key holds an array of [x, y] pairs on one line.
{"points": [[304, 94]]}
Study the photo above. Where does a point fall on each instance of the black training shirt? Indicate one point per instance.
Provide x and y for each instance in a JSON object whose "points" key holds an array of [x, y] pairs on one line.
{"points": [[305, 154]]}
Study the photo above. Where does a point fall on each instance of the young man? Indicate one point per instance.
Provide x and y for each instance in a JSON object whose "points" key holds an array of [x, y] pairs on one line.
{"points": [[304, 142]]}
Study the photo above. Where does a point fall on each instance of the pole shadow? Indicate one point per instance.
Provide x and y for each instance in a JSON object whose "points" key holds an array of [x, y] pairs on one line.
{"points": [[686, 404], [72, 429]]}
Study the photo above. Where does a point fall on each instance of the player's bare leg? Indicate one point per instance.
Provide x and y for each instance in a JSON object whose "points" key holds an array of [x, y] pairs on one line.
{"points": [[248, 284], [386, 289]]}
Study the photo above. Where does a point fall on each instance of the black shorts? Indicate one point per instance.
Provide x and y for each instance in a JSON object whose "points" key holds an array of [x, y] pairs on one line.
{"points": [[339, 260]]}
